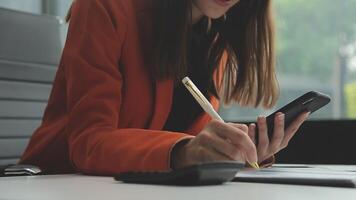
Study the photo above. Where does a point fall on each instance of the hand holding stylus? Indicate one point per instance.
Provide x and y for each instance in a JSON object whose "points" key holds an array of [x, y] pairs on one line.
{"points": [[217, 141]]}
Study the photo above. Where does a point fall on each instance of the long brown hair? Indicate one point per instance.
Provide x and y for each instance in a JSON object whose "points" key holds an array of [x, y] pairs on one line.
{"points": [[244, 37], [245, 34]]}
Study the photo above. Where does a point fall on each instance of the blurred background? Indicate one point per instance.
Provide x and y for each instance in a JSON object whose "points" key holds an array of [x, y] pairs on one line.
{"points": [[316, 46]]}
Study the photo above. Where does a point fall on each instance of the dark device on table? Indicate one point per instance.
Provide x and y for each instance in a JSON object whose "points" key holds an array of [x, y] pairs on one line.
{"points": [[19, 170], [309, 102], [203, 174]]}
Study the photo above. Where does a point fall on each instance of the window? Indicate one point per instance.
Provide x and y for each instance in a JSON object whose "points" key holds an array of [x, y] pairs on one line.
{"points": [[32, 6], [316, 49], [52, 7]]}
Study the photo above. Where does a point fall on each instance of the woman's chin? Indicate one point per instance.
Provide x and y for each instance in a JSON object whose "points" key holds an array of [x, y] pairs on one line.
{"points": [[215, 15]]}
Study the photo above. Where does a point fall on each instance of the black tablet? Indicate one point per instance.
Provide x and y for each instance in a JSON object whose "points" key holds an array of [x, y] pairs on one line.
{"points": [[203, 174]]}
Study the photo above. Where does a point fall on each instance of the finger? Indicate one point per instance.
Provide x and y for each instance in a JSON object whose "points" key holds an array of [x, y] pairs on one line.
{"points": [[228, 132], [247, 148], [293, 127], [216, 143], [263, 140], [278, 134], [243, 127], [252, 132], [237, 137]]}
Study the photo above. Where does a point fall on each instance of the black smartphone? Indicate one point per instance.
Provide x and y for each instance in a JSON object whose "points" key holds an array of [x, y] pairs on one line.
{"points": [[309, 102]]}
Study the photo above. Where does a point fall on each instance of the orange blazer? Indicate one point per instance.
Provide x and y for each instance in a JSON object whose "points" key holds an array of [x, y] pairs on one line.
{"points": [[105, 113]]}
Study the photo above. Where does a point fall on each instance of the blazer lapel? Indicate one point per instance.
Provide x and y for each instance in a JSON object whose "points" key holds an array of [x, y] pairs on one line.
{"points": [[163, 88], [162, 103]]}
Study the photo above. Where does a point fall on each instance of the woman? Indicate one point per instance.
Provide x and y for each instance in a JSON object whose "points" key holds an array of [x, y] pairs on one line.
{"points": [[117, 103]]}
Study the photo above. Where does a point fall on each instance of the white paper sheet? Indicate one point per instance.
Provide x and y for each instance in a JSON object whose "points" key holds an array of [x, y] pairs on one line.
{"points": [[299, 174]]}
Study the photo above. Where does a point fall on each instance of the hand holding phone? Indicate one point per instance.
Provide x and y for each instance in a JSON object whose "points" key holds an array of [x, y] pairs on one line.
{"points": [[309, 102], [293, 118]]}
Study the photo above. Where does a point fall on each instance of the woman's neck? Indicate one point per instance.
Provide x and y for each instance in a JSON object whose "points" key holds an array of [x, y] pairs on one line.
{"points": [[196, 14]]}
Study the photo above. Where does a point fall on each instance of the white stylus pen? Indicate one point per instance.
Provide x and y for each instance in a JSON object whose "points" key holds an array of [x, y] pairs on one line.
{"points": [[203, 102]]}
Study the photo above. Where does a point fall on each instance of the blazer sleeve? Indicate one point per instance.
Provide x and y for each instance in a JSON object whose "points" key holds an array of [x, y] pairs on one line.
{"points": [[96, 146]]}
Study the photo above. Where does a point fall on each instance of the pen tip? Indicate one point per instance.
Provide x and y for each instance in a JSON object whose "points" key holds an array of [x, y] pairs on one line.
{"points": [[255, 165]]}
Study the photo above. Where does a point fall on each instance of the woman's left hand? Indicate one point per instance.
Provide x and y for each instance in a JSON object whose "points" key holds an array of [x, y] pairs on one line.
{"points": [[281, 136]]}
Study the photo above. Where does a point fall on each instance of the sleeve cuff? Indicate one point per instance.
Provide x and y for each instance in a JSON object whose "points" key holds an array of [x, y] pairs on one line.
{"points": [[175, 147]]}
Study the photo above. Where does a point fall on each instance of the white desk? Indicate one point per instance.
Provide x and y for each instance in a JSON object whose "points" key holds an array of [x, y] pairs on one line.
{"points": [[79, 187]]}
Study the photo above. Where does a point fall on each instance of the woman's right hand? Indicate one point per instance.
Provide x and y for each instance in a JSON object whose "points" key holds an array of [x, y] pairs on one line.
{"points": [[218, 141]]}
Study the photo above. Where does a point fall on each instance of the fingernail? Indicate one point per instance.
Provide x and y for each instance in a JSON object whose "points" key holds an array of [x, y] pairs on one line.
{"points": [[281, 117], [261, 118]]}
